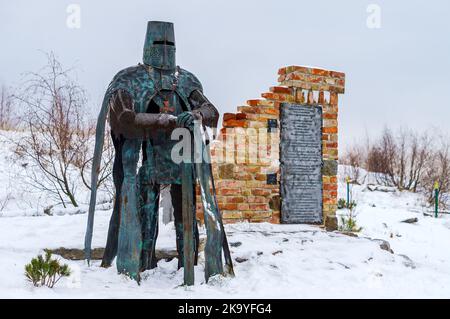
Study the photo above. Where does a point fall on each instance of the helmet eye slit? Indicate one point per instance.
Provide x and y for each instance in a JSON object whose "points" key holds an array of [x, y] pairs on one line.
{"points": [[164, 42]]}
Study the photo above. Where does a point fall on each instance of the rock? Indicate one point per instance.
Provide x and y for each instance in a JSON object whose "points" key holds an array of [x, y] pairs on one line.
{"points": [[385, 189], [407, 262], [48, 210], [277, 252], [77, 254], [240, 260], [236, 244], [384, 245], [259, 253], [347, 233], [331, 223], [97, 253], [410, 220]]}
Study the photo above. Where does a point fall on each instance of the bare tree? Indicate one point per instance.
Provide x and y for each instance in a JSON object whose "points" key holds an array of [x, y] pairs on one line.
{"points": [[58, 139]]}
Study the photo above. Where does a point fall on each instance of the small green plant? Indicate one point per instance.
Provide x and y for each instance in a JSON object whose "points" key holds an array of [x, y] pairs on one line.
{"points": [[45, 271], [348, 224], [342, 203]]}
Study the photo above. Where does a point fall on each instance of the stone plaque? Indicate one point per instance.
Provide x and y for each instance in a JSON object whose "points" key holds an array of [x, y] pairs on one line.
{"points": [[301, 163]]}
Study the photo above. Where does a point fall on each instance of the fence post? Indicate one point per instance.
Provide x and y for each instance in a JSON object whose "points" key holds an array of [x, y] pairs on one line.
{"points": [[348, 191], [436, 199]]}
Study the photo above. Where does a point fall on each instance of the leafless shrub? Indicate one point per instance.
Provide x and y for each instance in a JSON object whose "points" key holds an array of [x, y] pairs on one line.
{"points": [[438, 170], [105, 173], [58, 139], [406, 160], [7, 117], [399, 160], [354, 160]]}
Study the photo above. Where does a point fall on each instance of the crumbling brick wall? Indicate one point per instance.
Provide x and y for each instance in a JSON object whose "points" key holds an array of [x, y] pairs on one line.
{"points": [[243, 155]]}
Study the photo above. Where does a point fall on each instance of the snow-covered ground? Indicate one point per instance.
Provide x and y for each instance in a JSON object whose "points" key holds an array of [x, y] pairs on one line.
{"points": [[276, 261]]}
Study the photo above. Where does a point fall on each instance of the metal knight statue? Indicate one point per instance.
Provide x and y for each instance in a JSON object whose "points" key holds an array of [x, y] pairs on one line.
{"points": [[145, 104]]}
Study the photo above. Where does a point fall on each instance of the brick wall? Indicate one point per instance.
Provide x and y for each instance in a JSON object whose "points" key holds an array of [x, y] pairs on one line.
{"points": [[245, 153]]}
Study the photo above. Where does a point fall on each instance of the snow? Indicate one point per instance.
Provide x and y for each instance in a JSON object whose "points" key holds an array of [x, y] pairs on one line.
{"points": [[277, 261]]}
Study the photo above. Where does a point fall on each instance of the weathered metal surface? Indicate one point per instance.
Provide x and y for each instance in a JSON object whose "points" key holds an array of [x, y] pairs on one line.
{"points": [[188, 223], [301, 163], [213, 222], [157, 86], [272, 125], [130, 232], [159, 47], [96, 162], [272, 179]]}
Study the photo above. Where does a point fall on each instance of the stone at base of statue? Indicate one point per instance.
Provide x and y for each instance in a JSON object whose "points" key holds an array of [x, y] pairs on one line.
{"points": [[97, 253], [331, 223]]}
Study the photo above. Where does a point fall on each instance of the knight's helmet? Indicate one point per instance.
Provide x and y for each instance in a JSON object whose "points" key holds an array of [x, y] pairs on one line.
{"points": [[159, 46]]}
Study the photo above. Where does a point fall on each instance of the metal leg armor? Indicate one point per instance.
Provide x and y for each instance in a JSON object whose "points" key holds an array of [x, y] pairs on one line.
{"points": [[149, 205], [113, 230], [130, 236]]}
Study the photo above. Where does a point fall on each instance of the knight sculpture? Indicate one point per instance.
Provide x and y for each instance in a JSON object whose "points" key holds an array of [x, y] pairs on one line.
{"points": [[146, 103]]}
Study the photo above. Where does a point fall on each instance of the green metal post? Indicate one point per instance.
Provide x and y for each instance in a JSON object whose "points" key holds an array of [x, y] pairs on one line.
{"points": [[436, 199], [348, 191]]}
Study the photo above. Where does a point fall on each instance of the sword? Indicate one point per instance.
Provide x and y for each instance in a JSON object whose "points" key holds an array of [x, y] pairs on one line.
{"points": [[96, 162]]}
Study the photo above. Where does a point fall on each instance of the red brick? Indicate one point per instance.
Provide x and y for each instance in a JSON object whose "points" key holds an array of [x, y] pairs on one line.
{"points": [[252, 169], [254, 102], [320, 72], [256, 199], [229, 191], [332, 129], [332, 145], [236, 200], [274, 96], [261, 177], [243, 206], [229, 116], [330, 116], [235, 123], [243, 176], [329, 187], [339, 75], [281, 90], [261, 192], [270, 111], [228, 206], [301, 69], [259, 206]]}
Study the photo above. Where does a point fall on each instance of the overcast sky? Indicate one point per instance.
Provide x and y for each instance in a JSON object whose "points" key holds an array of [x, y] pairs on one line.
{"points": [[397, 75]]}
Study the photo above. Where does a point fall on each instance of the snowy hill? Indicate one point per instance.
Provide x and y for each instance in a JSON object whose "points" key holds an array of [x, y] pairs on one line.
{"points": [[271, 261]]}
